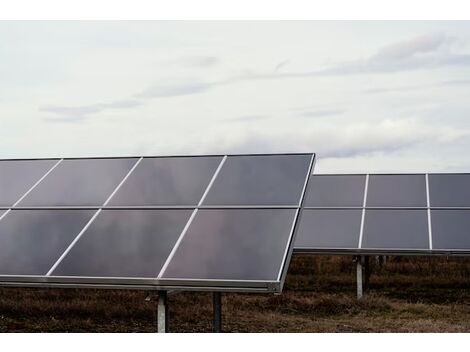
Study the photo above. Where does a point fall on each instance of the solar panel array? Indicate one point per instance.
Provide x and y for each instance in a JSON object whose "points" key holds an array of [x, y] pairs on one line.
{"points": [[386, 213], [210, 222]]}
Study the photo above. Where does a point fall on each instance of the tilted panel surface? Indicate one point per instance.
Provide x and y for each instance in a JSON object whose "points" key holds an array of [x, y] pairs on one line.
{"points": [[18, 176], [395, 229], [167, 181], [336, 191], [260, 180], [329, 228], [125, 243], [449, 190], [451, 229], [233, 244], [396, 191], [80, 182], [32, 240]]}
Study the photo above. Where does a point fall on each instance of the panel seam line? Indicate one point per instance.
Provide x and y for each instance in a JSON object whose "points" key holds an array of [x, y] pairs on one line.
{"points": [[428, 202], [363, 215]]}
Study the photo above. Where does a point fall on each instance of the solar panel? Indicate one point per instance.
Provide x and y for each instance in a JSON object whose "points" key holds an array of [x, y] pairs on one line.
{"points": [[336, 191], [32, 240], [451, 229], [125, 243], [395, 229], [233, 244], [18, 176], [402, 213], [449, 190], [329, 229], [80, 182], [143, 223], [396, 191], [260, 180], [167, 181]]}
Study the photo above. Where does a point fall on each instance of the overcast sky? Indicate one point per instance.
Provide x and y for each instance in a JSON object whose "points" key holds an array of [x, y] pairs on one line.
{"points": [[365, 96]]}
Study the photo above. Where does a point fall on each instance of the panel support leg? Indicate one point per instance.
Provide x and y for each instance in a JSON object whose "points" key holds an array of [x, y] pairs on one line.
{"points": [[162, 312], [366, 273], [217, 305], [358, 276]]}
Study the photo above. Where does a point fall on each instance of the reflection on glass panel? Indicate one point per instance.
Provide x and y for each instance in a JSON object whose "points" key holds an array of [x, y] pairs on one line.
{"points": [[233, 244], [396, 229], [447, 190], [451, 229], [260, 180], [336, 191], [125, 243], [167, 181], [18, 176], [31, 241], [80, 182], [396, 191], [328, 228]]}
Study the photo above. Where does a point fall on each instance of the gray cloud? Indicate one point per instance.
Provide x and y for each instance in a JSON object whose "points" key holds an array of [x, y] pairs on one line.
{"points": [[320, 113], [79, 113], [461, 82], [423, 52], [406, 49], [193, 61], [174, 90], [200, 61], [247, 118], [281, 65]]}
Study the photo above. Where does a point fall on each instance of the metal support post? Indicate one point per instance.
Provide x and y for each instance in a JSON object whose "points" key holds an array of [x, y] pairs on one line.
{"points": [[217, 305], [162, 312], [358, 276], [366, 273]]}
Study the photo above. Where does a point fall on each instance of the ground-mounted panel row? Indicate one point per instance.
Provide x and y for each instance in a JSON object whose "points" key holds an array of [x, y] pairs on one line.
{"points": [[243, 244]]}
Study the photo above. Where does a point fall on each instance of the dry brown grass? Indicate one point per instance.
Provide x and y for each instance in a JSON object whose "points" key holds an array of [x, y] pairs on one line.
{"points": [[406, 295]]}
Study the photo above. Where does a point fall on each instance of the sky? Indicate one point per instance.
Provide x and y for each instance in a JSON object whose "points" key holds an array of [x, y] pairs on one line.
{"points": [[365, 96]]}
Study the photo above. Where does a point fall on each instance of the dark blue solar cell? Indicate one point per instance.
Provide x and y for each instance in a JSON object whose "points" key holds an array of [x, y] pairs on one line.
{"points": [[80, 182], [18, 176], [449, 190], [336, 191], [167, 181], [396, 191], [31, 241], [396, 229], [451, 229], [233, 244], [260, 180], [328, 228]]}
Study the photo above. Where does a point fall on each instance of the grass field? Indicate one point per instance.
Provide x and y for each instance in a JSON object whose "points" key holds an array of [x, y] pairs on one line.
{"points": [[407, 294]]}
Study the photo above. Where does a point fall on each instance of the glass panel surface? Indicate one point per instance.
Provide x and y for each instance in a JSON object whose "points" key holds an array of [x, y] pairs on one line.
{"points": [[18, 176], [395, 229], [450, 229], [336, 191], [233, 244], [31, 241], [80, 182], [125, 243], [396, 191], [329, 228], [446, 190], [260, 180], [167, 181]]}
